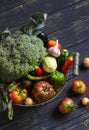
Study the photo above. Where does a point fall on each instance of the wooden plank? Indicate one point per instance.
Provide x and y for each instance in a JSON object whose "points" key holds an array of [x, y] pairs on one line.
{"points": [[7, 5], [72, 35], [81, 122], [76, 29], [47, 117], [68, 16], [21, 14]]}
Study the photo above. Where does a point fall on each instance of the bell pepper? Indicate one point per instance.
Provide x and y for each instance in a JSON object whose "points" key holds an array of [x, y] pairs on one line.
{"points": [[67, 64], [57, 79]]}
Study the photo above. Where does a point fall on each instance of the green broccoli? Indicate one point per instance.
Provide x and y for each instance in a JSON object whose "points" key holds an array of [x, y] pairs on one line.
{"points": [[19, 54]]}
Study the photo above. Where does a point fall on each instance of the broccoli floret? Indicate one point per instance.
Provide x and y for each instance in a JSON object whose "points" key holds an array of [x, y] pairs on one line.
{"points": [[19, 54]]}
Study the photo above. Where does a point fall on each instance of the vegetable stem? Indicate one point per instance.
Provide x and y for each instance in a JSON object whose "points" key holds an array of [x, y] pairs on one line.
{"points": [[10, 110], [30, 77]]}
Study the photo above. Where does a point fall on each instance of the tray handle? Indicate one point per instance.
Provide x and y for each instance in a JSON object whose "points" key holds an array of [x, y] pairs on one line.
{"points": [[75, 66]]}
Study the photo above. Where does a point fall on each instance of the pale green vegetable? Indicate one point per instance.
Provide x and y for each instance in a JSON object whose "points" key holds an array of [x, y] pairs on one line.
{"points": [[49, 64]]}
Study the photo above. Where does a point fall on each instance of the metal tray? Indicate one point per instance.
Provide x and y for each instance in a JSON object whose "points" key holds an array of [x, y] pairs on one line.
{"points": [[71, 74]]}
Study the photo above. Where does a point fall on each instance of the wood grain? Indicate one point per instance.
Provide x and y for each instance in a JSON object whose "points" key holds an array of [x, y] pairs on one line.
{"points": [[6, 5], [74, 34], [48, 113], [21, 14], [67, 21]]}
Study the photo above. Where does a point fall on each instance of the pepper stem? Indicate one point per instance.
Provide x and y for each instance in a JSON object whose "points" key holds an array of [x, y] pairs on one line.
{"points": [[71, 57], [30, 77]]}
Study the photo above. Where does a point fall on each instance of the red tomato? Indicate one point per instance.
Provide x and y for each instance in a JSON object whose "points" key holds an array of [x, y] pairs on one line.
{"points": [[79, 87], [52, 43], [42, 91], [18, 95], [66, 105]]}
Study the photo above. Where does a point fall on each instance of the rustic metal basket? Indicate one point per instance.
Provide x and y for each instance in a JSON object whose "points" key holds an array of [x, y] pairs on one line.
{"points": [[71, 74]]}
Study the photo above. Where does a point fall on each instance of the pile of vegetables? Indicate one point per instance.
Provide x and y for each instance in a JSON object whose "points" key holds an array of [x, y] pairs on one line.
{"points": [[32, 68]]}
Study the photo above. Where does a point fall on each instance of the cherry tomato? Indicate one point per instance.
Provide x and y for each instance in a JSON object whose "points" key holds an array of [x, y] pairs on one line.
{"points": [[66, 105], [79, 87], [18, 95], [52, 43], [42, 91]]}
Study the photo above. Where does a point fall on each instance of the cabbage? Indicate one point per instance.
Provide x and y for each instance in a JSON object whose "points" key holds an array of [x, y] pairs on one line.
{"points": [[49, 64]]}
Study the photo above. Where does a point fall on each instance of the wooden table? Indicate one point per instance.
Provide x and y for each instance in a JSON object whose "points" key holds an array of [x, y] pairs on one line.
{"points": [[68, 21]]}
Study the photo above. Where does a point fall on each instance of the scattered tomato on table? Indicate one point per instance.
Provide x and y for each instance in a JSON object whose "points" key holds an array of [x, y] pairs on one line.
{"points": [[66, 105], [79, 87]]}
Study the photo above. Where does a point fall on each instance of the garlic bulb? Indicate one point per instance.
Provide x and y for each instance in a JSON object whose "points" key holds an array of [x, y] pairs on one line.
{"points": [[54, 51]]}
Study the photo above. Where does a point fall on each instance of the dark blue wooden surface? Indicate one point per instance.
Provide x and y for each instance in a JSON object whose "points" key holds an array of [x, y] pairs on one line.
{"points": [[68, 20]]}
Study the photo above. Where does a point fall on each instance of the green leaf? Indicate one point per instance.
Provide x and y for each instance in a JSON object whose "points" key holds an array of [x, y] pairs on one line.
{"points": [[35, 25], [39, 17], [3, 103], [5, 95], [11, 87], [29, 28]]}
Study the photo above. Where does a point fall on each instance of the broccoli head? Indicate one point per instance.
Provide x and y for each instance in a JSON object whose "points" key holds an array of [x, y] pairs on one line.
{"points": [[19, 54]]}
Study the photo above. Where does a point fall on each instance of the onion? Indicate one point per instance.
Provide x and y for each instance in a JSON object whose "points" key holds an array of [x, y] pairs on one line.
{"points": [[49, 64]]}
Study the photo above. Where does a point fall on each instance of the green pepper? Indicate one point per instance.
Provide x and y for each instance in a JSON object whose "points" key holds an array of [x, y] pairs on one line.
{"points": [[57, 79]]}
